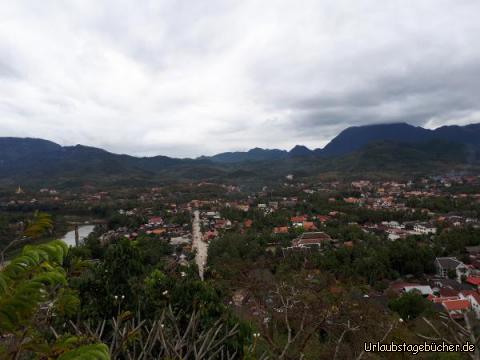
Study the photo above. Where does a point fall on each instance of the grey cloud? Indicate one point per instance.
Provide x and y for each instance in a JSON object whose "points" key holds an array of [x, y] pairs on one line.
{"points": [[7, 71], [421, 94], [188, 77]]}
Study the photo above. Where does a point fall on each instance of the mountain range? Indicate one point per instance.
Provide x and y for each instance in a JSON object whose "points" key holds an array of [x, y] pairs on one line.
{"points": [[356, 137], [386, 147]]}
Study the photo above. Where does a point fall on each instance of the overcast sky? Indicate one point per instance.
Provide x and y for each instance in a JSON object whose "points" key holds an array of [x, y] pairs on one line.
{"points": [[185, 78]]}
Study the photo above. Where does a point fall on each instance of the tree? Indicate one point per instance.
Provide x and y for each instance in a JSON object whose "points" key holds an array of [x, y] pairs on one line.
{"points": [[33, 291], [410, 305], [116, 282], [41, 224]]}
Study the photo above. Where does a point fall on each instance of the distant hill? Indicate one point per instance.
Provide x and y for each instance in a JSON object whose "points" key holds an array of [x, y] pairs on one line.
{"points": [[256, 154], [356, 137], [404, 157], [26, 158], [259, 154], [300, 151], [394, 148]]}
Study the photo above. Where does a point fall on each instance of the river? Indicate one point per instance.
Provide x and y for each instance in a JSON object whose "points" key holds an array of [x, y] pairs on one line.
{"points": [[83, 232]]}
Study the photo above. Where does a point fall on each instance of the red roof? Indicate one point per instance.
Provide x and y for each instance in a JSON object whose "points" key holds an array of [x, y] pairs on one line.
{"points": [[155, 220], [210, 235], [441, 299], [455, 305], [474, 280], [323, 218], [473, 294], [280, 230], [298, 219], [308, 225], [159, 231]]}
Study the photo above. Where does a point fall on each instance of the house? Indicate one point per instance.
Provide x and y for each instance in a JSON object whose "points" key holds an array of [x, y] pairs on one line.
{"points": [[155, 221], [309, 226], [360, 184], [456, 308], [352, 200], [425, 290], [393, 225], [158, 231], [395, 234], [448, 293], [242, 207], [424, 229], [297, 221], [180, 240], [222, 224], [312, 240], [446, 265], [209, 235], [323, 218], [474, 298], [273, 205], [404, 287], [280, 230], [473, 280], [182, 260]]}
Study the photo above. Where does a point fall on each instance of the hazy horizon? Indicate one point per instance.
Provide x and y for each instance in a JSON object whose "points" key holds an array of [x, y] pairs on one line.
{"points": [[187, 78]]}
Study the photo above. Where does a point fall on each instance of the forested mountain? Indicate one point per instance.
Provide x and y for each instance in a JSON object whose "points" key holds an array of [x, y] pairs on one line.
{"points": [[353, 138], [399, 147], [356, 137]]}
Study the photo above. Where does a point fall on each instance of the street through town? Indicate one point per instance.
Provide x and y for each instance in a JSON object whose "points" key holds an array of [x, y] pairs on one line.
{"points": [[198, 244]]}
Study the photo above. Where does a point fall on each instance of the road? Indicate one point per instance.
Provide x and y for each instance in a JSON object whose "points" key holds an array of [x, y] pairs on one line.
{"points": [[198, 244]]}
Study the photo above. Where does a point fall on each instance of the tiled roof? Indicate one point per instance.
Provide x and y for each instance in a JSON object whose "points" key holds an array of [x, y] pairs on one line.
{"points": [[309, 225], [473, 294], [474, 280], [318, 235], [454, 305]]}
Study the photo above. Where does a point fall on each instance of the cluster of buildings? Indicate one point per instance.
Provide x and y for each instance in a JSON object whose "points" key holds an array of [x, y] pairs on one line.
{"points": [[454, 288], [395, 230]]}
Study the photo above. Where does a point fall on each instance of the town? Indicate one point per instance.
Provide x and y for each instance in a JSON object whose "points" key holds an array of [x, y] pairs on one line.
{"points": [[283, 257]]}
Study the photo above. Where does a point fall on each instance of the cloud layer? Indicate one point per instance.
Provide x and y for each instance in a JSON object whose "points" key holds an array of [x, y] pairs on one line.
{"points": [[185, 78]]}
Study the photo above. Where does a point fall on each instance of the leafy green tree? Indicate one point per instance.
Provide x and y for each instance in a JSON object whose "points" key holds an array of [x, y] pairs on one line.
{"points": [[114, 284], [410, 305], [40, 225], [33, 289]]}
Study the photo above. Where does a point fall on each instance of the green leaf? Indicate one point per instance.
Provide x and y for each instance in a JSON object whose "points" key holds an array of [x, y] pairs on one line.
{"points": [[87, 352]]}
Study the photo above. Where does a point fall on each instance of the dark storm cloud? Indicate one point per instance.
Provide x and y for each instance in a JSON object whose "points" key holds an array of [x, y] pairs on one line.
{"points": [[188, 77]]}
